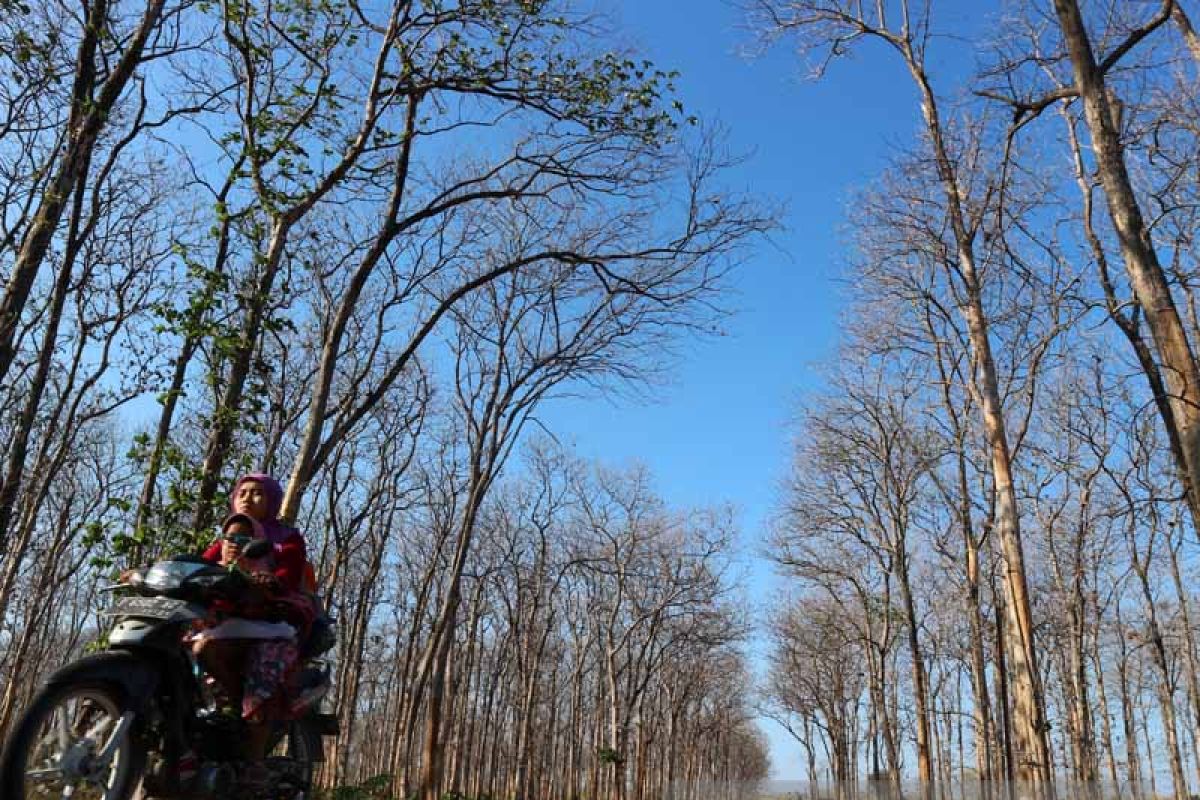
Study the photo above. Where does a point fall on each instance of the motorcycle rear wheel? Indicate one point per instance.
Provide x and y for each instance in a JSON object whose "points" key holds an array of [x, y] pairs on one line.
{"points": [[74, 740]]}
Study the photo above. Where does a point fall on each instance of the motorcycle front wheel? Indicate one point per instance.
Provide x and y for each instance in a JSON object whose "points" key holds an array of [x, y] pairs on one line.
{"points": [[75, 741]]}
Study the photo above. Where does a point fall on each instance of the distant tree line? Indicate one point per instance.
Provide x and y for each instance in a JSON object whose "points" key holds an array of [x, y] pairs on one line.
{"points": [[357, 245], [991, 520]]}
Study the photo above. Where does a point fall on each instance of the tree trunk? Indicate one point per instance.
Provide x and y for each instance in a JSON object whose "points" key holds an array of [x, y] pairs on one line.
{"points": [[920, 690], [1029, 725], [433, 753], [1151, 766], [981, 702], [1105, 716], [89, 114], [443, 636], [192, 336], [1147, 278], [306, 463], [1084, 740], [1002, 684], [1186, 30], [1128, 720], [228, 410], [1166, 701]]}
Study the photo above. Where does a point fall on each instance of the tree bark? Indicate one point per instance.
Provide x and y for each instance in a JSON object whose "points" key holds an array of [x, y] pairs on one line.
{"points": [[1105, 713], [1189, 655], [1186, 29], [920, 689], [1128, 720]]}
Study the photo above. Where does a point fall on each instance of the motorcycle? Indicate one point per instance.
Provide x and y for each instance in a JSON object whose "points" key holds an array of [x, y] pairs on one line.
{"points": [[133, 720]]}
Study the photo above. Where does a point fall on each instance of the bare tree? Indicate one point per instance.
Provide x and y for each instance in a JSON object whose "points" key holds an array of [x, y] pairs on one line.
{"points": [[828, 27], [104, 67]]}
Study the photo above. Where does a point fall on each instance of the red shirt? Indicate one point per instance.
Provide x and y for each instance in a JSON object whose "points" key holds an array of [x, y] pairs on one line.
{"points": [[290, 560]]}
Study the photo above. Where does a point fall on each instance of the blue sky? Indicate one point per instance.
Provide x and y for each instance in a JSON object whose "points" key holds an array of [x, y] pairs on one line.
{"points": [[719, 431]]}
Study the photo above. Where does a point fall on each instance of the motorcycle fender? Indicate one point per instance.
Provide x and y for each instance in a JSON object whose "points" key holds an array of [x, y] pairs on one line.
{"points": [[131, 631], [134, 674]]}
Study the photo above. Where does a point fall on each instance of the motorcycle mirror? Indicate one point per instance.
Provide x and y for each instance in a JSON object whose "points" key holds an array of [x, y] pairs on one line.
{"points": [[257, 549]]}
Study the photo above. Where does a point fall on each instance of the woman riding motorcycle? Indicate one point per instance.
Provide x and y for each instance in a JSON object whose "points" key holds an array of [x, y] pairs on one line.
{"points": [[252, 651]]}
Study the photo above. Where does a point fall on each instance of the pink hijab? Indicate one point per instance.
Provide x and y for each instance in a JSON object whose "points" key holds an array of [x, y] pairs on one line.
{"points": [[272, 528]]}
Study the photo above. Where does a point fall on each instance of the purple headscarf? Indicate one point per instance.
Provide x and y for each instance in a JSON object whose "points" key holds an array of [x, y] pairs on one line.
{"points": [[272, 528]]}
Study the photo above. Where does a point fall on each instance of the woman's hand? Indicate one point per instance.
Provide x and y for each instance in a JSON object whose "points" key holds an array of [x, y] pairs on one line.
{"points": [[230, 552]]}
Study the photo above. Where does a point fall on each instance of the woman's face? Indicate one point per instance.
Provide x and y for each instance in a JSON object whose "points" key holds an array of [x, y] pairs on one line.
{"points": [[251, 500]]}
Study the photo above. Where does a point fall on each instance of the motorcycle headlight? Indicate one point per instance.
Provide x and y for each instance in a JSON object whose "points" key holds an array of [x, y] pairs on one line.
{"points": [[167, 575]]}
